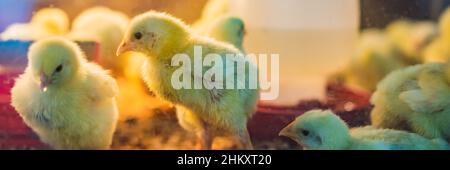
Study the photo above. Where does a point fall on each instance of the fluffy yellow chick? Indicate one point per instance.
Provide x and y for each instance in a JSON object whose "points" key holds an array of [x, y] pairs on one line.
{"points": [[106, 27], [69, 102], [374, 58], [444, 25], [160, 36], [437, 52], [44, 23], [415, 98], [226, 28], [323, 130], [54, 20], [411, 38]]}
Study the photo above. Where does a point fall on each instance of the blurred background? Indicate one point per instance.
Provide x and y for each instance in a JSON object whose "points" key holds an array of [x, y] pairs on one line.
{"points": [[21, 11], [375, 13], [379, 13], [297, 30], [315, 39]]}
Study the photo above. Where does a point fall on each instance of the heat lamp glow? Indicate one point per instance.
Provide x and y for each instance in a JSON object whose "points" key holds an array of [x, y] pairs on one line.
{"points": [[100, 75]]}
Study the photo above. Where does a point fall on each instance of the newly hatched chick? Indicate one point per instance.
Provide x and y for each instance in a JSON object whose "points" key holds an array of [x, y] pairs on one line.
{"points": [[411, 38], [226, 28], [160, 36], [44, 23], [444, 25], [415, 98], [69, 102], [323, 130], [374, 58], [437, 51], [106, 27]]}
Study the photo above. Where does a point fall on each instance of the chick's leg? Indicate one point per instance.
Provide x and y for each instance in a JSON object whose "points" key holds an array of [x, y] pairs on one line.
{"points": [[192, 123], [205, 137], [244, 137]]}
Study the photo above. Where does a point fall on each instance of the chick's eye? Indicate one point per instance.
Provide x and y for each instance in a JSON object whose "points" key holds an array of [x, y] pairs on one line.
{"points": [[59, 68], [305, 132], [242, 31], [138, 35]]}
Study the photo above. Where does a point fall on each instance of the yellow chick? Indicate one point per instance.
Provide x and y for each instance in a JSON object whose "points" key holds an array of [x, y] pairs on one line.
{"points": [[160, 36], [226, 28], [69, 102], [444, 25], [415, 98], [411, 38], [437, 51], [106, 27], [44, 23], [323, 130], [374, 58]]}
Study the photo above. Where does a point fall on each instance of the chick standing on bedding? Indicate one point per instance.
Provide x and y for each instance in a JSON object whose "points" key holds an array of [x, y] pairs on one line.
{"points": [[44, 23], [106, 27], [415, 98], [229, 29], [323, 130], [160, 36], [69, 102]]}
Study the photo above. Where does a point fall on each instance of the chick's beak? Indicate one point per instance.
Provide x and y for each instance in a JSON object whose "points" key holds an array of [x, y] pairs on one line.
{"points": [[44, 82], [288, 131], [124, 47]]}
